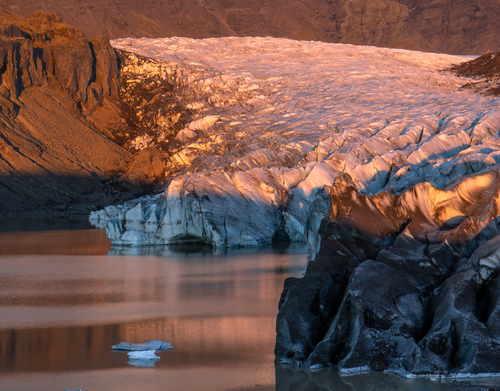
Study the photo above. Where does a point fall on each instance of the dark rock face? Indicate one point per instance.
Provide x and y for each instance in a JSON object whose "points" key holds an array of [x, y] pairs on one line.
{"points": [[305, 311], [393, 289], [461, 27]]}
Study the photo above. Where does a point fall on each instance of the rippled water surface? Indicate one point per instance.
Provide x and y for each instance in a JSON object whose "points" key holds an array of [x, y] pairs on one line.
{"points": [[66, 296]]}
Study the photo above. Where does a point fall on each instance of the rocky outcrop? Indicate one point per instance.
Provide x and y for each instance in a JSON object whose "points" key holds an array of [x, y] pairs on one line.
{"points": [[464, 27], [56, 153], [404, 283], [485, 71], [45, 50]]}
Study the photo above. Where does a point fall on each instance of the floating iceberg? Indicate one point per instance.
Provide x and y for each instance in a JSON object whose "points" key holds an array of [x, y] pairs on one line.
{"points": [[153, 345]]}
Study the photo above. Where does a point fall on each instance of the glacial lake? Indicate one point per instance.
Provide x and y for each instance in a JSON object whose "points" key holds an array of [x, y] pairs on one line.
{"points": [[66, 296]]}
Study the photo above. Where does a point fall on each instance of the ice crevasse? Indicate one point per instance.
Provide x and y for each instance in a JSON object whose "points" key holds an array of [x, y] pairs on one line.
{"points": [[285, 118]]}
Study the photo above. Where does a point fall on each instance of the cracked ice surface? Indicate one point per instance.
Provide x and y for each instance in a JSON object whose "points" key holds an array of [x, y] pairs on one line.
{"points": [[276, 120]]}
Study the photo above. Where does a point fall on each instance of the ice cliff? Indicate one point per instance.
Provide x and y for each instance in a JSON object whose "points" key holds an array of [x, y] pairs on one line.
{"points": [[273, 122]]}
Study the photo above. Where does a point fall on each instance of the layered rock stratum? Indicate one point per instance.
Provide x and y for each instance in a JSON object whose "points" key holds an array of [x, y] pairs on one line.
{"points": [[458, 27]]}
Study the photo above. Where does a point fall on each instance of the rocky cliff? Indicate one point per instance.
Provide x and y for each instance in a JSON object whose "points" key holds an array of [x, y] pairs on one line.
{"points": [[461, 27], [64, 118]]}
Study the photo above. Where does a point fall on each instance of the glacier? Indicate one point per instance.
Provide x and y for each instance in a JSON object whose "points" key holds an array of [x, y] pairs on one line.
{"points": [[276, 121]]}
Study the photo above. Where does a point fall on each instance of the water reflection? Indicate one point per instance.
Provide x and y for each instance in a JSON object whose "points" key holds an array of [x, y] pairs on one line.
{"points": [[66, 297], [56, 242], [293, 379], [200, 251], [198, 342], [60, 313], [141, 363], [47, 223]]}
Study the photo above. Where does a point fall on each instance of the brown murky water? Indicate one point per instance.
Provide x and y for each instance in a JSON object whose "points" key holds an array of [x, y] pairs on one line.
{"points": [[66, 297]]}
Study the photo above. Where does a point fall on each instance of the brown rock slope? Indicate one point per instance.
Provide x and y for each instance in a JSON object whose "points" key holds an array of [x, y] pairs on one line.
{"points": [[485, 71], [459, 27], [56, 89]]}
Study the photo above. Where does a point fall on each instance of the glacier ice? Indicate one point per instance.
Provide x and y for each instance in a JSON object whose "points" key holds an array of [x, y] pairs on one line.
{"points": [[276, 121]]}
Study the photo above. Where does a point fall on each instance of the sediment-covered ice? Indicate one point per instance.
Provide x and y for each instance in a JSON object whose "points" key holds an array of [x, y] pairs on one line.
{"points": [[274, 123]]}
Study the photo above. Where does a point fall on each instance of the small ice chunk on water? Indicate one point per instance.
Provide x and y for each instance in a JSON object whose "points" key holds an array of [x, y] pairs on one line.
{"points": [[151, 345], [143, 355]]}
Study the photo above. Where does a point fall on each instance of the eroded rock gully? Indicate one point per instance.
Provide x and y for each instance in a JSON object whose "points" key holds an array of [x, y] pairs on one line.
{"points": [[407, 283]]}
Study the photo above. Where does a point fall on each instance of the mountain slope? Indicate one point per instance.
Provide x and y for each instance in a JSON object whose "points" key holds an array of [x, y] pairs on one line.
{"points": [[459, 27], [53, 85]]}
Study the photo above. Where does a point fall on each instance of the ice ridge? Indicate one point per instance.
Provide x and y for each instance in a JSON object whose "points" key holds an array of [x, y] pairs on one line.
{"points": [[275, 121]]}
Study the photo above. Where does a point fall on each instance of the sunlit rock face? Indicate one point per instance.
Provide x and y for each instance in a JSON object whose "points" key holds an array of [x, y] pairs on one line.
{"points": [[467, 27], [485, 72], [268, 124], [56, 86], [46, 50]]}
